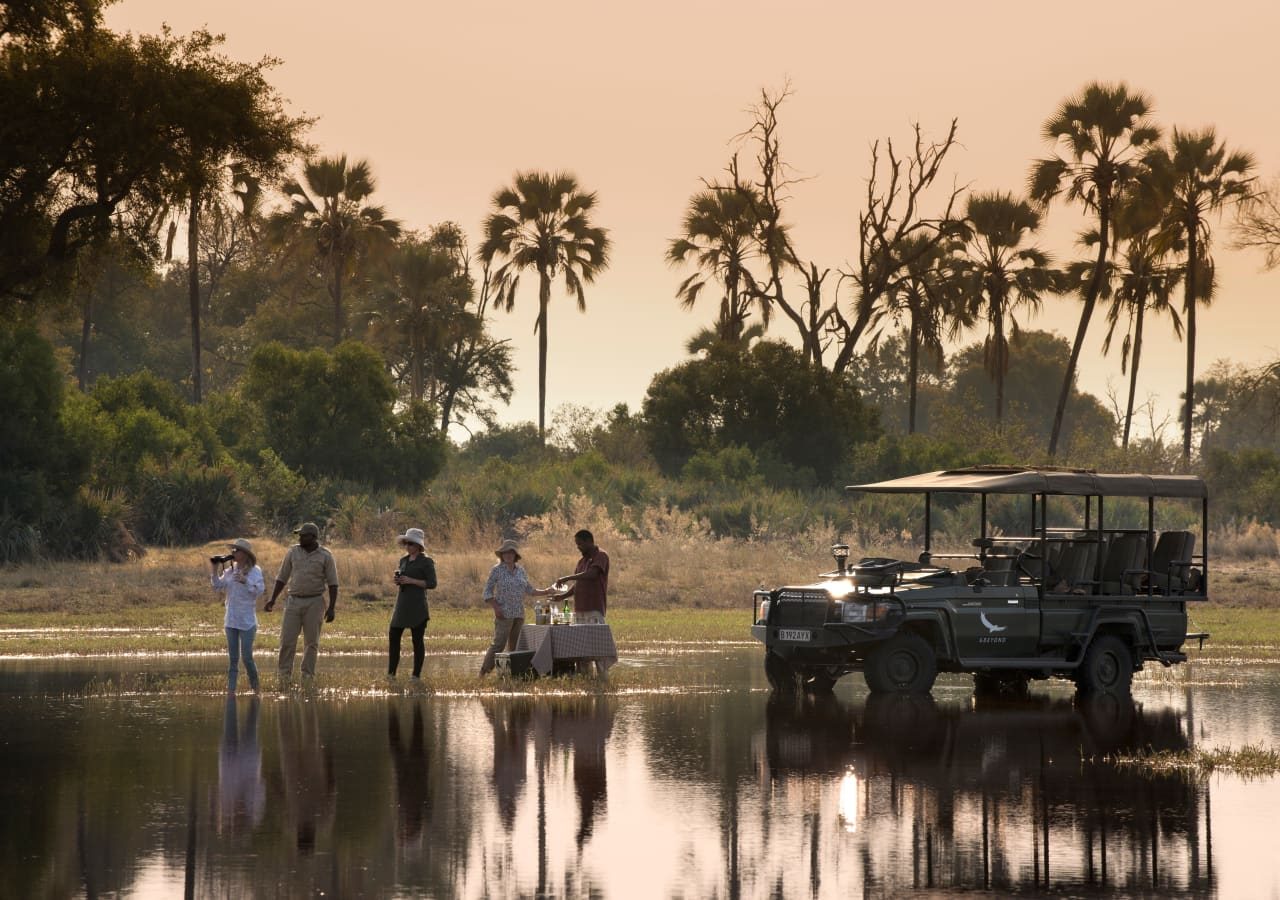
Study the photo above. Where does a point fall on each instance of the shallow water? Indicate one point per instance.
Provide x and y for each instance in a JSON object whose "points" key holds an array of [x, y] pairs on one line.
{"points": [[718, 793]]}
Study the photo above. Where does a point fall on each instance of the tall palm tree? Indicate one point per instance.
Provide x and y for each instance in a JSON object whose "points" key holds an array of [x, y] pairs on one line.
{"points": [[1101, 133], [1143, 277], [1001, 273], [719, 235], [542, 222], [326, 207], [1199, 178], [929, 295]]}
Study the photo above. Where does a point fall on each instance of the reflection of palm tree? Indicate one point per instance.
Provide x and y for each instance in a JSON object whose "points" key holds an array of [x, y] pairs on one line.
{"points": [[326, 207], [412, 770], [1197, 178], [543, 223], [1001, 273]]}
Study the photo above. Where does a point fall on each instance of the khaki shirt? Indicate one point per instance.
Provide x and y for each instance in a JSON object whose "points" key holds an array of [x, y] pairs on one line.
{"points": [[312, 572]]}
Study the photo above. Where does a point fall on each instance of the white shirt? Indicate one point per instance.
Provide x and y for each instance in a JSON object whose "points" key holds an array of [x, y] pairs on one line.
{"points": [[242, 596]]}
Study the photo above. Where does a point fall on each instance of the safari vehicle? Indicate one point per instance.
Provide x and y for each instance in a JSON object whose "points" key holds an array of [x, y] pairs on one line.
{"points": [[1087, 600]]}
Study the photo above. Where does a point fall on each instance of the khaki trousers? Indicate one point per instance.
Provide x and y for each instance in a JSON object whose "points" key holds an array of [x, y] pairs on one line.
{"points": [[301, 614], [506, 634]]}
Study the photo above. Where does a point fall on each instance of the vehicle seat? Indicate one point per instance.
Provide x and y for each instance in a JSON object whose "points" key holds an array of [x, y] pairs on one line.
{"points": [[1170, 563], [1124, 554], [1075, 567]]}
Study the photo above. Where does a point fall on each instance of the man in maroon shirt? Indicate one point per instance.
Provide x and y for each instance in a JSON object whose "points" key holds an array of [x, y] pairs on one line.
{"points": [[590, 580]]}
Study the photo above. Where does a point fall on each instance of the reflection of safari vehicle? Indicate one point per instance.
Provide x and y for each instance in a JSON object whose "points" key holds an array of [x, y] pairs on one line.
{"points": [[1077, 583]]}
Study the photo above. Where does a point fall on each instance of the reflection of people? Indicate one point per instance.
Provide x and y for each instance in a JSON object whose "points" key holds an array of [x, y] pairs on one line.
{"points": [[308, 569], [416, 574], [242, 793], [590, 580], [584, 725], [510, 721], [505, 591], [243, 585], [306, 768], [412, 769]]}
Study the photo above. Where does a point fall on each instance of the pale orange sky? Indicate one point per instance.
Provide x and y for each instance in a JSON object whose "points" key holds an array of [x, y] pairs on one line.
{"points": [[641, 101]]}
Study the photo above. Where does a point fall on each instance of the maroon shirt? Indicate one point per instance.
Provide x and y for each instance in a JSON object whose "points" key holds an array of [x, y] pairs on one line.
{"points": [[590, 595]]}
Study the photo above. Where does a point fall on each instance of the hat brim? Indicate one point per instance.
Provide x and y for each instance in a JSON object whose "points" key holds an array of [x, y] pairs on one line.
{"points": [[498, 553]]}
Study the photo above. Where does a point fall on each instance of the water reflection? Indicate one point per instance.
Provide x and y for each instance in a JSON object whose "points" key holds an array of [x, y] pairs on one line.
{"points": [[711, 794], [242, 792], [1013, 796]]}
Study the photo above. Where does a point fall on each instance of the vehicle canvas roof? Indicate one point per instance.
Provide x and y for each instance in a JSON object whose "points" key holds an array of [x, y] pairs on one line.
{"points": [[1045, 480]]}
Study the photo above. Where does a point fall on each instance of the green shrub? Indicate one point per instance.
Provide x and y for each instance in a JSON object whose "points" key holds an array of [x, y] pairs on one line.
{"points": [[188, 503]]}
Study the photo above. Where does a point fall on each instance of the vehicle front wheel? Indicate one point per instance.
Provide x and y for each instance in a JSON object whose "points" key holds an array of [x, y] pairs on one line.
{"points": [[818, 681], [781, 674], [1107, 667], [904, 664]]}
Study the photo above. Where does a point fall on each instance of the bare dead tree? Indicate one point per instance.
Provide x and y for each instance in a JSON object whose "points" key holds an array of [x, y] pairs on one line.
{"points": [[1258, 224], [893, 232]]}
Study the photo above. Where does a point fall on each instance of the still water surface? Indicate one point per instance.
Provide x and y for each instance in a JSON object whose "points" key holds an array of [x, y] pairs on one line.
{"points": [[717, 793]]}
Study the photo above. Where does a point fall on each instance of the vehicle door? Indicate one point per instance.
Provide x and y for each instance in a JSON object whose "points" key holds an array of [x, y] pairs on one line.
{"points": [[1000, 622]]}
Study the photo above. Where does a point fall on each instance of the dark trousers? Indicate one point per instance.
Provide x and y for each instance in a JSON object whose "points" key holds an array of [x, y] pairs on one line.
{"points": [[419, 648]]}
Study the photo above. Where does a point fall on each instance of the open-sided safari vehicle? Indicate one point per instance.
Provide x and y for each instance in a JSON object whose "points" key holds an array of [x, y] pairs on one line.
{"points": [[1080, 584]]}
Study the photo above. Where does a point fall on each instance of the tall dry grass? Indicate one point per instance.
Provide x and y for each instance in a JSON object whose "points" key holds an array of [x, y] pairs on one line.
{"points": [[661, 558]]}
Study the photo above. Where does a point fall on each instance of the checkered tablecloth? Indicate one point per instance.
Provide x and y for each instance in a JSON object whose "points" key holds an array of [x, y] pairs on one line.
{"points": [[553, 642]]}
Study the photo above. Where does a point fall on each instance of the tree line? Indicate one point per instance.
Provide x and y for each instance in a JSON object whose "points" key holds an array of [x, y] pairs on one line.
{"points": [[310, 352]]}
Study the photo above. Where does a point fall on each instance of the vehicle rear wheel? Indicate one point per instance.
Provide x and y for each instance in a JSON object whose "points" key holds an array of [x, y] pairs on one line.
{"points": [[904, 664], [1107, 667], [781, 674]]}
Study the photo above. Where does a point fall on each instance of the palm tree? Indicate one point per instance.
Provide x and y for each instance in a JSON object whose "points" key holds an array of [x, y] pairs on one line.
{"points": [[928, 294], [326, 207], [543, 222], [719, 235], [1143, 279], [1101, 132], [1000, 273], [1199, 179]]}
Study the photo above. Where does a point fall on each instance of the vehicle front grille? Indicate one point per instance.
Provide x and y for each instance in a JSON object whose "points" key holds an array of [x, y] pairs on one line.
{"points": [[801, 607]]}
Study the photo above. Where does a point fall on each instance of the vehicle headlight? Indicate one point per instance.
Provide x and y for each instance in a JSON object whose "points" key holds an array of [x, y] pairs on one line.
{"points": [[763, 614], [855, 612]]}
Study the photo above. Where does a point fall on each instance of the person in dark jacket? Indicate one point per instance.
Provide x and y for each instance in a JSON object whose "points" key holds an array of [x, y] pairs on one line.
{"points": [[415, 575]]}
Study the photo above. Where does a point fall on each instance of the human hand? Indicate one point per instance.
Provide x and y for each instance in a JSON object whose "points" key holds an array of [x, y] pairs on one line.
{"points": [[269, 605], [329, 614], [240, 576]]}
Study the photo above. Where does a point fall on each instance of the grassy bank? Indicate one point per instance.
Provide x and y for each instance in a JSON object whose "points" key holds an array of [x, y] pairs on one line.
{"points": [[674, 590]]}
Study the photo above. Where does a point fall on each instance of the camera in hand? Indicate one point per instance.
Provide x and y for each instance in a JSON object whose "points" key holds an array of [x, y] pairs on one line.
{"points": [[222, 559]]}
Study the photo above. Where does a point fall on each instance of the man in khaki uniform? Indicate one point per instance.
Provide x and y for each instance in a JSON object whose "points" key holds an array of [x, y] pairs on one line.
{"points": [[312, 570]]}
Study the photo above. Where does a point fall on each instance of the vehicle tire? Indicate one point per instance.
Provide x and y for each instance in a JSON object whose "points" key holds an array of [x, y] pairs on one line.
{"points": [[904, 664], [817, 681], [781, 674], [1107, 667], [1007, 685]]}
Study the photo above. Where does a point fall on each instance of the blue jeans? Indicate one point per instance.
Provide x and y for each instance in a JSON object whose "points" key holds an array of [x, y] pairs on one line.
{"points": [[240, 643]]}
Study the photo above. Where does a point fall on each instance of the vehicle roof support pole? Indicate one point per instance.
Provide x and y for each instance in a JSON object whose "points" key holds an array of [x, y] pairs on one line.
{"points": [[1044, 544], [928, 520], [1151, 538], [984, 516], [1204, 546], [1097, 563]]}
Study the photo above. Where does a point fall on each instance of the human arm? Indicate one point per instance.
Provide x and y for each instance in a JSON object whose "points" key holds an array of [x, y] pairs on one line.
{"points": [[282, 579], [333, 603]]}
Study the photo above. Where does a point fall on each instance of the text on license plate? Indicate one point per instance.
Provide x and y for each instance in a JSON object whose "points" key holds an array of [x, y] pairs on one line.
{"points": [[794, 634]]}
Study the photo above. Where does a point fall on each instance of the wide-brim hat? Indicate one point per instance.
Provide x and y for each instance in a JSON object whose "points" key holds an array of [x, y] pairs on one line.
{"points": [[242, 544], [413, 536], [508, 546]]}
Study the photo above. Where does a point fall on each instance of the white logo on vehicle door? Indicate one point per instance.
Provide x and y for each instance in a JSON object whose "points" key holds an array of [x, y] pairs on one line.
{"points": [[991, 626]]}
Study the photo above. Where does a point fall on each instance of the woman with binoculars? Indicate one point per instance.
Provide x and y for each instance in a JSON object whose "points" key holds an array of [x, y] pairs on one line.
{"points": [[242, 583]]}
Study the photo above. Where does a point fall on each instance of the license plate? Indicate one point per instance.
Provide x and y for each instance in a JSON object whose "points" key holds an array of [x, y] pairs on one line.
{"points": [[794, 634]]}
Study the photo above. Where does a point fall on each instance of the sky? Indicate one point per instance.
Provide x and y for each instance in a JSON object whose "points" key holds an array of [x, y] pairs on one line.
{"points": [[641, 101]]}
